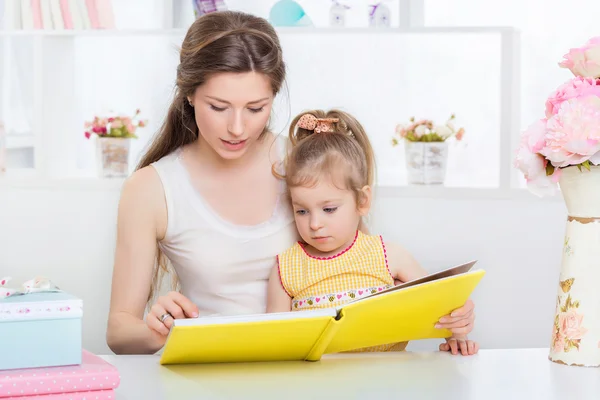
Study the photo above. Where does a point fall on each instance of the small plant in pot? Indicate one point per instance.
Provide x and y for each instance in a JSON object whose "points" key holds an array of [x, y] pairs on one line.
{"points": [[113, 135], [426, 148]]}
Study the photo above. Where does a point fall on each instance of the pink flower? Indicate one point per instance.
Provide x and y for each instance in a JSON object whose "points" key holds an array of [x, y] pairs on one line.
{"points": [[573, 134], [142, 123], [460, 134], [531, 163], [117, 123], [87, 135], [571, 325], [576, 87], [130, 128], [558, 341], [584, 61]]}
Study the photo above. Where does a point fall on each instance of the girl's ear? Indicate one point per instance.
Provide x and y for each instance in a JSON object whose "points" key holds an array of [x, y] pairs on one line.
{"points": [[364, 200]]}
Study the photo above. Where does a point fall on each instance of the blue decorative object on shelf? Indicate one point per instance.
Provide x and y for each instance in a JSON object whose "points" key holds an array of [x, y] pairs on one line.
{"points": [[288, 13]]}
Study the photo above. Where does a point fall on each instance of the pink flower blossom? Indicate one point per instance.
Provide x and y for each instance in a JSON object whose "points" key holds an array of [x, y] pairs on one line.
{"points": [[531, 163], [573, 134], [87, 135], [460, 134], [130, 128], [576, 87], [117, 123], [584, 61], [571, 325]]}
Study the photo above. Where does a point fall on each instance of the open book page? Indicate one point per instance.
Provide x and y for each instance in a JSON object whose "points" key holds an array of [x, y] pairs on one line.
{"points": [[446, 273], [232, 319]]}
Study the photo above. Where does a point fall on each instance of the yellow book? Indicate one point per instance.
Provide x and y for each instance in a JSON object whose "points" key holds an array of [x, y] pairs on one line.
{"points": [[403, 313]]}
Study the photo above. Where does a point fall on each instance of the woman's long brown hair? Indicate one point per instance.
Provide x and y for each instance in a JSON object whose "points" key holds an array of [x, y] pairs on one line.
{"points": [[218, 42]]}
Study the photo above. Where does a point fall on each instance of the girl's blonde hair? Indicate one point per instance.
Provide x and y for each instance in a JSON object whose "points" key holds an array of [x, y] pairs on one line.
{"points": [[342, 152]]}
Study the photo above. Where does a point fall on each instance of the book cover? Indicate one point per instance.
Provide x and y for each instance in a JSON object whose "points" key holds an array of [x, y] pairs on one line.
{"points": [[46, 7], [403, 313], [26, 16], [93, 374], [92, 12], [56, 13], [65, 10]]}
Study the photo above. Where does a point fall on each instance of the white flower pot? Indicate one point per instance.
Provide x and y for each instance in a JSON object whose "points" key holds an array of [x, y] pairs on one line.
{"points": [[426, 162], [112, 157], [576, 326]]}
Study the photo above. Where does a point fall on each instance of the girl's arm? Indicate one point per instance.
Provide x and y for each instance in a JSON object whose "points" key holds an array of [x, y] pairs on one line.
{"points": [[277, 298], [403, 266]]}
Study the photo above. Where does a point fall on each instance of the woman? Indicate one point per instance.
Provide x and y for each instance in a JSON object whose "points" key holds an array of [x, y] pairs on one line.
{"points": [[204, 196]]}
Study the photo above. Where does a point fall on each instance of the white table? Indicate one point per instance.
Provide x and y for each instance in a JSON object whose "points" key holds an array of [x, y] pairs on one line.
{"points": [[491, 374]]}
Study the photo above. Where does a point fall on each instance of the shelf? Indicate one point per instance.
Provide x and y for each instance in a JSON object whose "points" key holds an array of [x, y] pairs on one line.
{"points": [[281, 30], [19, 141], [27, 180]]}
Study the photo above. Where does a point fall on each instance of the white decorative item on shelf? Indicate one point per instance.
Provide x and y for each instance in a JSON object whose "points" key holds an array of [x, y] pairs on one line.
{"points": [[426, 149], [112, 157], [576, 328], [379, 15], [426, 162], [113, 142], [337, 14]]}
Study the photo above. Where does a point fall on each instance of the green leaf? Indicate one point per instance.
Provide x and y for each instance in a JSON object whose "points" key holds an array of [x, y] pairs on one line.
{"points": [[579, 167], [549, 169], [586, 164]]}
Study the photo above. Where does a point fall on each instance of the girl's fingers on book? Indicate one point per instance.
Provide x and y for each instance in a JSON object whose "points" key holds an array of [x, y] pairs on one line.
{"points": [[171, 306]]}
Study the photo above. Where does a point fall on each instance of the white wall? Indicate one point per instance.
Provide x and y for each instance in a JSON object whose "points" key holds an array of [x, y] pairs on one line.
{"points": [[68, 234]]}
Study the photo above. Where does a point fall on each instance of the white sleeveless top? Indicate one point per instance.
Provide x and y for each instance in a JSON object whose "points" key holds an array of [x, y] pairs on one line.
{"points": [[222, 267]]}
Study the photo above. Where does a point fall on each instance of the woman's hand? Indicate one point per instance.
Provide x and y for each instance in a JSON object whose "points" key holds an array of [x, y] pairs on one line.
{"points": [[172, 306], [460, 321]]}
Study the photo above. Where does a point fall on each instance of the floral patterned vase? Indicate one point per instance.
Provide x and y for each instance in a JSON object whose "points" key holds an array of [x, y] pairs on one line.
{"points": [[576, 329], [426, 162], [112, 157]]}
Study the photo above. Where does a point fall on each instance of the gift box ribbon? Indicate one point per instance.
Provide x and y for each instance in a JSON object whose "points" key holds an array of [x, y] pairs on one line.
{"points": [[36, 285]]}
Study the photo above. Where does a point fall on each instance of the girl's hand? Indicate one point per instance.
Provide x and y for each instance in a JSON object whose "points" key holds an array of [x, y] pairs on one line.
{"points": [[460, 321], [172, 306], [455, 344]]}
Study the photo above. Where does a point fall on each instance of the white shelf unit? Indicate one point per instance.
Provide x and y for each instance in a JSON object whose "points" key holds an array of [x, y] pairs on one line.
{"points": [[55, 125]]}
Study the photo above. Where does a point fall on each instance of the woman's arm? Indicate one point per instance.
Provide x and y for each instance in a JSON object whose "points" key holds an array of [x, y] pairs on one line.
{"points": [[277, 298], [142, 218]]}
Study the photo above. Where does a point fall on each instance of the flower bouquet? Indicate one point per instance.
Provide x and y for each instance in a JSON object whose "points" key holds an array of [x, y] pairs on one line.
{"points": [[113, 134], [426, 148], [562, 151]]}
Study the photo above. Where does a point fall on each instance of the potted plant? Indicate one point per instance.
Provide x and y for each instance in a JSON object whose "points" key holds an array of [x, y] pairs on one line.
{"points": [[113, 142], [562, 151], [426, 148]]}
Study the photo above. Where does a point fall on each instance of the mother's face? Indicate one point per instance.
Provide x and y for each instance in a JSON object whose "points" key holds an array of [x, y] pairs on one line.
{"points": [[232, 110]]}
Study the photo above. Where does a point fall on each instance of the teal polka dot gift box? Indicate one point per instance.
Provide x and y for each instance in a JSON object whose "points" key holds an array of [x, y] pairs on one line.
{"points": [[40, 326]]}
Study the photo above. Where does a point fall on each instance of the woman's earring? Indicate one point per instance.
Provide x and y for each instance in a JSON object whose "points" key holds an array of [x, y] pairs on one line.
{"points": [[191, 104]]}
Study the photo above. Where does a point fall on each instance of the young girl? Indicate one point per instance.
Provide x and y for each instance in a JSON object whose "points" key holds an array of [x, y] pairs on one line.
{"points": [[329, 176]]}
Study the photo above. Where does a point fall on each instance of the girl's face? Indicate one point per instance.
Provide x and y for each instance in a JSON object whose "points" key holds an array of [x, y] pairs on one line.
{"points": [[232, 110], [327, 217]]}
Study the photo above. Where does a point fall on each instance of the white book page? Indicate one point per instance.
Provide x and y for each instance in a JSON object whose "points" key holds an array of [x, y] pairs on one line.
{"points": [[436, 276], [232, 319]]}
